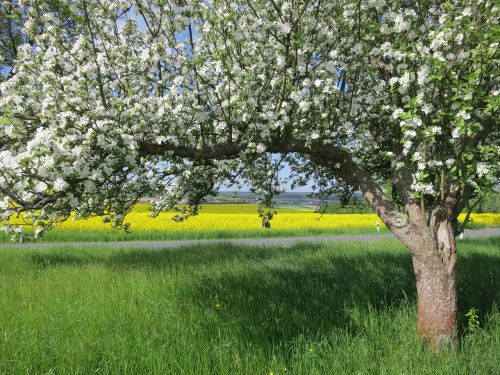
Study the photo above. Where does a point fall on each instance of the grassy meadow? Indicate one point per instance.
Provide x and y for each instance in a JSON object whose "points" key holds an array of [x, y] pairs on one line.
{"points": [[226, 221], [345, 308]]}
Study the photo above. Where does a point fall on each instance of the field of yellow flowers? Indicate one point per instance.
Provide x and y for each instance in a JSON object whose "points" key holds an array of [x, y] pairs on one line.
{"points": [[241, 217], [225, 221]]}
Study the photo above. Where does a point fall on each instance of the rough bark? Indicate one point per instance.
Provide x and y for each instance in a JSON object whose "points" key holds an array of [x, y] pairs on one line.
{"points": [[434, 262]]}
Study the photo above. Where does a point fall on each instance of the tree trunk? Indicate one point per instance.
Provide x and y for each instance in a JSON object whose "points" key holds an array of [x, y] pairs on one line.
{"points": [[434, 263]]}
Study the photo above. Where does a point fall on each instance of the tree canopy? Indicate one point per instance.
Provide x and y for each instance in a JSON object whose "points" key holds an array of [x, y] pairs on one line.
{"points": [[169, 98]]}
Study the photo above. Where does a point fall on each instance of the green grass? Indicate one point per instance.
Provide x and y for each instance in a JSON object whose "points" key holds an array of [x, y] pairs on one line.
{"points": [[116, 235], [307, 309]]}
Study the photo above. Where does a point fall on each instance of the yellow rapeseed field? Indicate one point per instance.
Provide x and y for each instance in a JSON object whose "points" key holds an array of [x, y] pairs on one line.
{"points": [[237, 217]]}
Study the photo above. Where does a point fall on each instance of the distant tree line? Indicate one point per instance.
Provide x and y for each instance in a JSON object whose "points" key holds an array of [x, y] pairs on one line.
{"points": [[353, 207], [489, 204]]}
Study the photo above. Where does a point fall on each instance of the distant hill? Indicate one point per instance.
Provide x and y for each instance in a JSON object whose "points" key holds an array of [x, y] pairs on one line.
{"points": [[289, 198]]}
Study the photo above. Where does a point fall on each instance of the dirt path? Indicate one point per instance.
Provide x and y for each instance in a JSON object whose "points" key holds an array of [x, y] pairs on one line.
{"points": [[277, 241]]}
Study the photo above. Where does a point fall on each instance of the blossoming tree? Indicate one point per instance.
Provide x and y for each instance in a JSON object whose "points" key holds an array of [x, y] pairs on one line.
{"points": [[168, 98]]}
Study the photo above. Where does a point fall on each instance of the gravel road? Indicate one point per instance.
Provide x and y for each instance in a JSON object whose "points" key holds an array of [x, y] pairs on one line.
{"points": [[278, 241]]}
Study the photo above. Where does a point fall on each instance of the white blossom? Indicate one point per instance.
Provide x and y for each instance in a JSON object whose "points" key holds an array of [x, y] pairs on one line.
{"points": [[60, 184], [8, 130], [422, 75], [40, 187], [260, 148], [436, 129], [482, 169], [463, 114], [304, 106], [396, 113], [427, 108], [4, 203], [285, 27], [404, 82]]}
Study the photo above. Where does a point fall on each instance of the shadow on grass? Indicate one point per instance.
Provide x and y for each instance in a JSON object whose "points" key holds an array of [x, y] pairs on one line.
{"points": [[305, 294], [276, 294], [167, 259], [277, 304]]}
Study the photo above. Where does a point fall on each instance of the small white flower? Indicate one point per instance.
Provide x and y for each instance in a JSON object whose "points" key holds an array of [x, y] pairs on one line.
{"points": [[144, 56], [89, 186], [404, 82], [315, 135], [481, 169], [4, 204], [358, 48], [260, 148], [286, 27], [306, 83], [8, 130], [427, 108], [407, 145], [396, 113], [393, 81], [178, 80], [465, 115], [410, 133], [40, 187], [280, 61], [422, 75], [60, 184], [304, 106]]}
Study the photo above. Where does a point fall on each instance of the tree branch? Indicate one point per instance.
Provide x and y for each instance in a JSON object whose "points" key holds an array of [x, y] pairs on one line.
{"points": [[334, 158], [94, 50]]}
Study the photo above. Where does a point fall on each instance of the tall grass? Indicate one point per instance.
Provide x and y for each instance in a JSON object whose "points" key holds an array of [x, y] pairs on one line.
{"points": [[307, 309], [118, 235]]}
